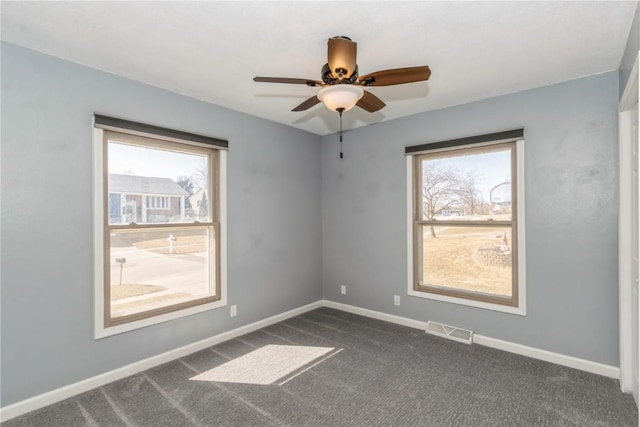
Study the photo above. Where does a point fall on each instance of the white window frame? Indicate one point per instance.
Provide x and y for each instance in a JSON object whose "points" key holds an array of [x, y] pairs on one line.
{"points": [[521, 308], [100, 329]]}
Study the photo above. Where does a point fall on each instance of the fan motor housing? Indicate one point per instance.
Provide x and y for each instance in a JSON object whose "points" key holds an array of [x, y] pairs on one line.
{"points": [[326, 76]]}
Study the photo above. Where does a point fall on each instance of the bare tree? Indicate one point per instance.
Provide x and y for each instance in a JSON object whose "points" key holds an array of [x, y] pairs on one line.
{"points": [[440, 190], [447, 188], [485, 208], [200, 176], [469, 194], [186, 183]]}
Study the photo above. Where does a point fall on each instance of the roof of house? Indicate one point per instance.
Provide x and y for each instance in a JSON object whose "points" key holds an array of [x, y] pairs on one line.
{"points": [[132, 184]]}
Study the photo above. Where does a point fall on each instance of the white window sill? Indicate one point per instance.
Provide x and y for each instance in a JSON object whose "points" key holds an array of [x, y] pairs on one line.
{"points": [[521, 311], [102, 332]]}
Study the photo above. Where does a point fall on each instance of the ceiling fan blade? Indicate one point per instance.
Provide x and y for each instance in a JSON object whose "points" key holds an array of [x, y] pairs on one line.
{"points": [[396, 76], [371, 103], [307, 82], [307, 104], [341, 57]]}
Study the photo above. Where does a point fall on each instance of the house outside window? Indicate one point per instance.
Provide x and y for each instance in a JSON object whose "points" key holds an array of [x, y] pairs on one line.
{"points": [[156, 259], [466, 221], [129, 200]]}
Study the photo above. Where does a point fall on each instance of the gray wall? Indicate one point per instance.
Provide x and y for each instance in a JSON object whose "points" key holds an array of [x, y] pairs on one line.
{"points": [[301, 222], [631, 50], [274, 233], [571, 216]]}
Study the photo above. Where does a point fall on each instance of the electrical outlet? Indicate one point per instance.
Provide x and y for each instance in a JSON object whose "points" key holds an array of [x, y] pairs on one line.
{"points": [[396, 300], [343, 290], [234, 310]]}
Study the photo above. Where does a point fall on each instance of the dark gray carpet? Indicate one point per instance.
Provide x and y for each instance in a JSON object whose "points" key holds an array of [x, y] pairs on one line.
{"points": [[387, 375]]}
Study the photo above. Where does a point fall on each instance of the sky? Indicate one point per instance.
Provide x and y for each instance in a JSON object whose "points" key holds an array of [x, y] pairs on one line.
{"points": [[491, 168], [133, 160]]}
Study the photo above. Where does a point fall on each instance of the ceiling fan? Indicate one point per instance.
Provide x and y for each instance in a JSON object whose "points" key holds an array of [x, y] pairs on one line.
{"points": [[341, 85]]}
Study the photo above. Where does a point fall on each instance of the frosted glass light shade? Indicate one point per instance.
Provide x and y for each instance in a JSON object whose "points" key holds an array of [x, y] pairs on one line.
{"points": [[340, 96]]}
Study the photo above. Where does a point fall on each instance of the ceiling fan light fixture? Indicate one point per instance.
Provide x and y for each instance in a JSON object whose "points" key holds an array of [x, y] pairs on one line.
{"points": [[340, 96]]}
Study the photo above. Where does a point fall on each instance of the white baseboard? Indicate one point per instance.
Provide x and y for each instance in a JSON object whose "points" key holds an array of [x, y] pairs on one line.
{"points": [[45, 399], [535, 353], [57, 395], [391, 318], [549, 356]]}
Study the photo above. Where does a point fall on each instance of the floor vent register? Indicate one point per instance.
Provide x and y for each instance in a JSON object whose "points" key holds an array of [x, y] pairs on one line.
{"points": [[450, 332]]}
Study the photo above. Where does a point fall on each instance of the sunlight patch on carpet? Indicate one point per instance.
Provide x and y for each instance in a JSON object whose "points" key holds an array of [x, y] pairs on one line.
{"points": [[266, 365]]}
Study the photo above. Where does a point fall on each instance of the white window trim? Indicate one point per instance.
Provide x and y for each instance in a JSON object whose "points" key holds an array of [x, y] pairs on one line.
{"points": [[100, 331], [521, 309], [158, 198]]}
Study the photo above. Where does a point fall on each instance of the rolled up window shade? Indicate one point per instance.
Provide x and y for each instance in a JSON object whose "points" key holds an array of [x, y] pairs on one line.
{"points": [[461, 142], [122, 125]]}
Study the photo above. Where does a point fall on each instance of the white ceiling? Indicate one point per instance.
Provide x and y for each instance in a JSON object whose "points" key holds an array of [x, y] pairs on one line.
{"points": [[212, 50]]}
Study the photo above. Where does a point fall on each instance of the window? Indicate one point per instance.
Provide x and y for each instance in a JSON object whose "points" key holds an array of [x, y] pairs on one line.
{"points": [[157, 258], [466, 226], [157, 202]]}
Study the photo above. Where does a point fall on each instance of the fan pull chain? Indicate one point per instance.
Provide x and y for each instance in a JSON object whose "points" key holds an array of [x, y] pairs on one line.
{"points": [[340, 110]]}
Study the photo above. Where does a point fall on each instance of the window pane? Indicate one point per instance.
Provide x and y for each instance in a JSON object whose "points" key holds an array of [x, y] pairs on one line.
{"points": [[467, 186], [476, 259], [157, 185], [159, 267]]}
